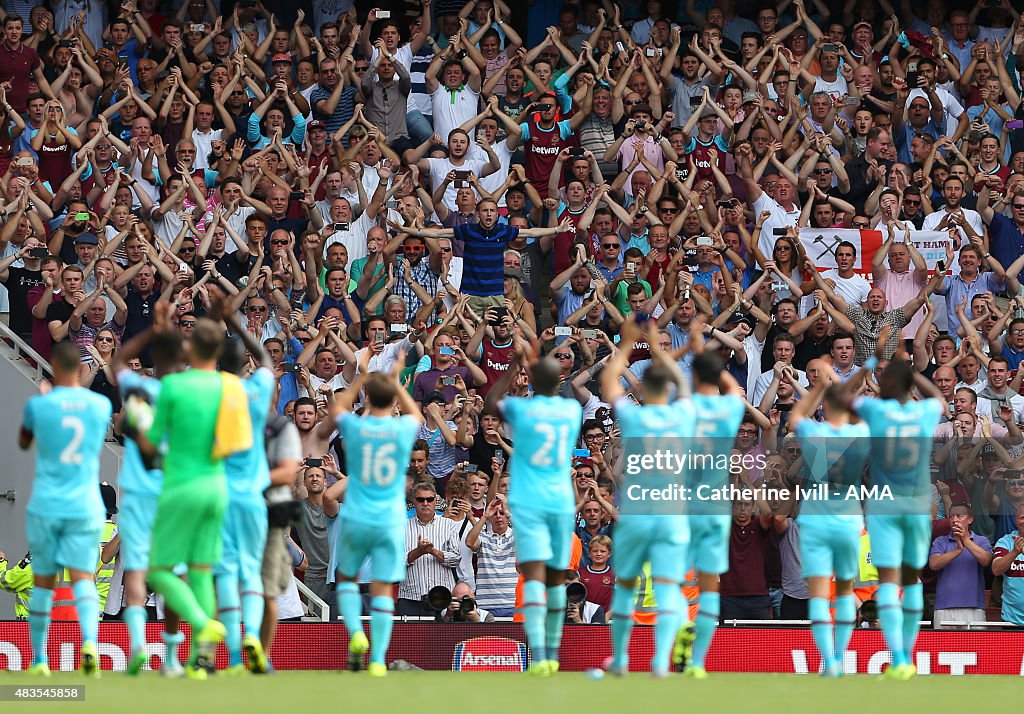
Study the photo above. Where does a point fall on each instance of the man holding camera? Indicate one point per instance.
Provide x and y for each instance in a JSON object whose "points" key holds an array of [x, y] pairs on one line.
{"points": [[463, 607]]}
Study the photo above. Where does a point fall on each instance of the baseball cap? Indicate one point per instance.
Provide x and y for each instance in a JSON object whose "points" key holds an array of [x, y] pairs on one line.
{"points": [[281, 57], [750, 97], [315, 124], [109, 494], [435, 397], [87, 239], [862, 22], [708, 113]]}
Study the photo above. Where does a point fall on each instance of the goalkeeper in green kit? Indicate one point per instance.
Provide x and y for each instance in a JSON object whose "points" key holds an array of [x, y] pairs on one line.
{"points": [[197, 423]]}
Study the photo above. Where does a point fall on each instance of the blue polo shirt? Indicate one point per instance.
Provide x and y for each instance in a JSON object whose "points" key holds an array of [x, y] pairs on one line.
{"points": [[483, 259], [1005, 240]]}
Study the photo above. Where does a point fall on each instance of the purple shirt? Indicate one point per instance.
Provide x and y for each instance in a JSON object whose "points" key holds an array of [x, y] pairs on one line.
{"points": [[425, 382], [961, 583]]}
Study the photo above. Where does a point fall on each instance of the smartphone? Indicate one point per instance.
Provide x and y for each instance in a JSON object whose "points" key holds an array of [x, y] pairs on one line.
{"points": [[383, 14], [379, 338], [581, 453], [122, 60], [631, 266], [940, 265], [912, 79], [461, 175], [461, 184], [590, 334], [784, 407], [499, 455], [448, 381], [499, 315], [727, 203], [291, 367], [399, 327], [66, 43], [779, 231], [470, 468], [695, 101], [651, 52], [1015, 124], [563, 331], [198, 27], [779, 287], [575, 151], [851, 101], [1009, 475], [620, 47], [24, 161], [705, 241], [182, 268], [830, 47], [315, 462], [38, 253], [447, 351], [341, 226], [296, 195], [82, 216], [391, 203]]}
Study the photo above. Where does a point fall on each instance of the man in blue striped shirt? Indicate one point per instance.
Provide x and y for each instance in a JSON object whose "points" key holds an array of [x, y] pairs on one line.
{"points": [[483, 272]]}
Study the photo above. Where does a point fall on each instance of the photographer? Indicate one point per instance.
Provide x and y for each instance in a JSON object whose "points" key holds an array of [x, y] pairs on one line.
{"points": [[578, 610], [463, 607]]}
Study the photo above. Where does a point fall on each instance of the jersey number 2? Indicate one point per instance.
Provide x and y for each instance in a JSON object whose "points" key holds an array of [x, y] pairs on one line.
{"points": [[70, 454]]}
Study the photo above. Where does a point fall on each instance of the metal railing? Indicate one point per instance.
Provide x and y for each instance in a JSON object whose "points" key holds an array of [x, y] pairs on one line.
{"points": [[313, 601], [22, 355]]}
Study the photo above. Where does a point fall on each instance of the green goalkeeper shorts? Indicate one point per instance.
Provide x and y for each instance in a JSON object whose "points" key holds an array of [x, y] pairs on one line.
{"points": [[188, 523]]}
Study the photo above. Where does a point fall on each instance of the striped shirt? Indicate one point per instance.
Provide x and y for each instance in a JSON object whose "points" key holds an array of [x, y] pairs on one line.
{"points": [[443, 457], [427, 571], [484, 257], [496, 574]]}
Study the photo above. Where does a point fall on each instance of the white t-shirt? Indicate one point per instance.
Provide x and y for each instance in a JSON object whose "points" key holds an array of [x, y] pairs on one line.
{"points": [[493, 182], [354, 239], [780, 218], [854, 290], [439, 169], [451, 109], [952, 108]]}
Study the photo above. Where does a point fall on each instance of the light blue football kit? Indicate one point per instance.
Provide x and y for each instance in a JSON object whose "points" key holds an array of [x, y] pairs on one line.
{"points": [[239, 579], [65, 515], [651, 531], [372, 522]]}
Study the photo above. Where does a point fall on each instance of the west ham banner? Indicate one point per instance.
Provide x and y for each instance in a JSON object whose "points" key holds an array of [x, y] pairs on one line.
{"points": [[820, 245]]}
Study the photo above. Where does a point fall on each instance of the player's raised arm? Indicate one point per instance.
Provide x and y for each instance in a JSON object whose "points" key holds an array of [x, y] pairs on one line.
{"points": [[405, 400], [611, 386]]}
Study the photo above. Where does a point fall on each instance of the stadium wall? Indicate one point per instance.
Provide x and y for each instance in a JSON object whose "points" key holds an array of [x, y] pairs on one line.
{"points": [[500, 647]]}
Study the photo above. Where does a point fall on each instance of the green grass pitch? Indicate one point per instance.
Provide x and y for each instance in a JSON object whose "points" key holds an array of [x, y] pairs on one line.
{"points": [[495, 693]]}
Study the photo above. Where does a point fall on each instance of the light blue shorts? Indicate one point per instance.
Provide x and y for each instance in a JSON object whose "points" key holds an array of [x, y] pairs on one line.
{"points": [[662, 540], [384, 546], [900, 540], [545, 537], [63, 543], [135, 524], [830, 544], [244, 536], [709, 543]]}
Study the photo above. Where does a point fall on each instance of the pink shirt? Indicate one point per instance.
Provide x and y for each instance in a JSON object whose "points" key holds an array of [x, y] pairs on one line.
{"points": [[652, 151], [899, 289]]}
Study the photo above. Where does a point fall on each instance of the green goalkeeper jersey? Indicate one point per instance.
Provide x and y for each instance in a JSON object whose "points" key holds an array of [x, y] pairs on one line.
{"points": [[186, 416]]}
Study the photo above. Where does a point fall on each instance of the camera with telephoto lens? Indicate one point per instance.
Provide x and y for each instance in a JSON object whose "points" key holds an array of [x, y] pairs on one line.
{"points": [[282, 510], [466, 606], [575, 592]]}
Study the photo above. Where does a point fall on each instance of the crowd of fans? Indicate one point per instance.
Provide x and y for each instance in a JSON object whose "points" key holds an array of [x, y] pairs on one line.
{"points": [[423, 181]]}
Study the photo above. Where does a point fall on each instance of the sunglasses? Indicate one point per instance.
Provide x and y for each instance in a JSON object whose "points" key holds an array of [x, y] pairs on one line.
{"points": [[860, 224], [425, 499], [186, 248], [103, 339], [187, 323], [668, 209], [562, 356], [822, 172], [630, 102], [611, 245], [549, 107], [446, 250], [1015, 482], [1018, 205], [279, 242], [257, 308]]}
